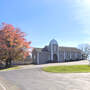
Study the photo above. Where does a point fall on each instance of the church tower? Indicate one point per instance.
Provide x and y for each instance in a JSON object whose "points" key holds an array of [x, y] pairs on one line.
{"points": [[54, 51]]}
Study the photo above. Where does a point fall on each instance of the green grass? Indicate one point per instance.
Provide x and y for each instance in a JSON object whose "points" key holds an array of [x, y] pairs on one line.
{"points": [[68, 69], [11, 68]]}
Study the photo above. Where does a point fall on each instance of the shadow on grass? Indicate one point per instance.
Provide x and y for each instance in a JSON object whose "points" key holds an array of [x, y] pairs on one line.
{"points": [[12, 67]]}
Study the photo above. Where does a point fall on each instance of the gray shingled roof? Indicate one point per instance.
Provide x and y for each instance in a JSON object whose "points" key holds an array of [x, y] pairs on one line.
{"points": [[70, 48], [61, 48], [38, 49]]}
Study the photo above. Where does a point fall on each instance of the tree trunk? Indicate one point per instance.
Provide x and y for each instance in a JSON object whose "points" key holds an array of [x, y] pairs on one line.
{"points": [[8, 63]]}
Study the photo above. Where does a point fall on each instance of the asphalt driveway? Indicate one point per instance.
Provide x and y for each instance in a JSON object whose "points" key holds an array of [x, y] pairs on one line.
{"points": [[36, 79]]}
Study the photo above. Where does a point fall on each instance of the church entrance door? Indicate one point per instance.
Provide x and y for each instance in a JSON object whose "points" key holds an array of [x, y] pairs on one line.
{"points": [[55, 58]]}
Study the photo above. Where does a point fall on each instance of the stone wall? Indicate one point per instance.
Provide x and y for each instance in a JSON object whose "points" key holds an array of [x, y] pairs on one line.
{"points": [[43, 57], [61, 56], [65, 56]]}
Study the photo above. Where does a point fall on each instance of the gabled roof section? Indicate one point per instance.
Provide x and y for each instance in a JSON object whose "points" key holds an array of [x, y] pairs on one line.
{"points": [[53, 41], [38, 49], [69, 49], [45, 48]]}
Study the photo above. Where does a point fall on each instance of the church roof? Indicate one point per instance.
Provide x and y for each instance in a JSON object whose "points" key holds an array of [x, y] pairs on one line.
{"points": [[53, 41], [38, 49], [42, 49], [61, 48], [69, 49]]}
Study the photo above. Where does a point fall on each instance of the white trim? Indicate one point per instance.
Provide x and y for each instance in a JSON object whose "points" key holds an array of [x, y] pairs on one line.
{"points": [[76, 55], [70, 55], [82, 57], [58, 54], [37, 57], [2, 86], [51, 52], [64, 55]]}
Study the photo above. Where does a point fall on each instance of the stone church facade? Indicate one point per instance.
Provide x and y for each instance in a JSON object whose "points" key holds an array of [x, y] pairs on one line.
{"points": [[54, 53]]}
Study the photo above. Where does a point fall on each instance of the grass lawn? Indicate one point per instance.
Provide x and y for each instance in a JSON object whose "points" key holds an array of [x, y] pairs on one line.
{"points": [[68, 69], [11, 68]]}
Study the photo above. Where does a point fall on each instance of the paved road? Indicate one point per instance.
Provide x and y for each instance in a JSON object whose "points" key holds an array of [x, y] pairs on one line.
{"points": [[33, 78]]}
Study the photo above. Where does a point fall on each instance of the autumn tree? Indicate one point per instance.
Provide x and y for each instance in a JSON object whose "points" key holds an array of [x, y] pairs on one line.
{"points": [[13, 45]]}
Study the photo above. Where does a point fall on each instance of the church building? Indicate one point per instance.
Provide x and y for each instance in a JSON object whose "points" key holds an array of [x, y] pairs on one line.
{"points": [[53, 53]]}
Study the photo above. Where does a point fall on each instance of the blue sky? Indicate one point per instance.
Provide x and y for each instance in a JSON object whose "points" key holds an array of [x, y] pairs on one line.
{"points": [[68, 21]]}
